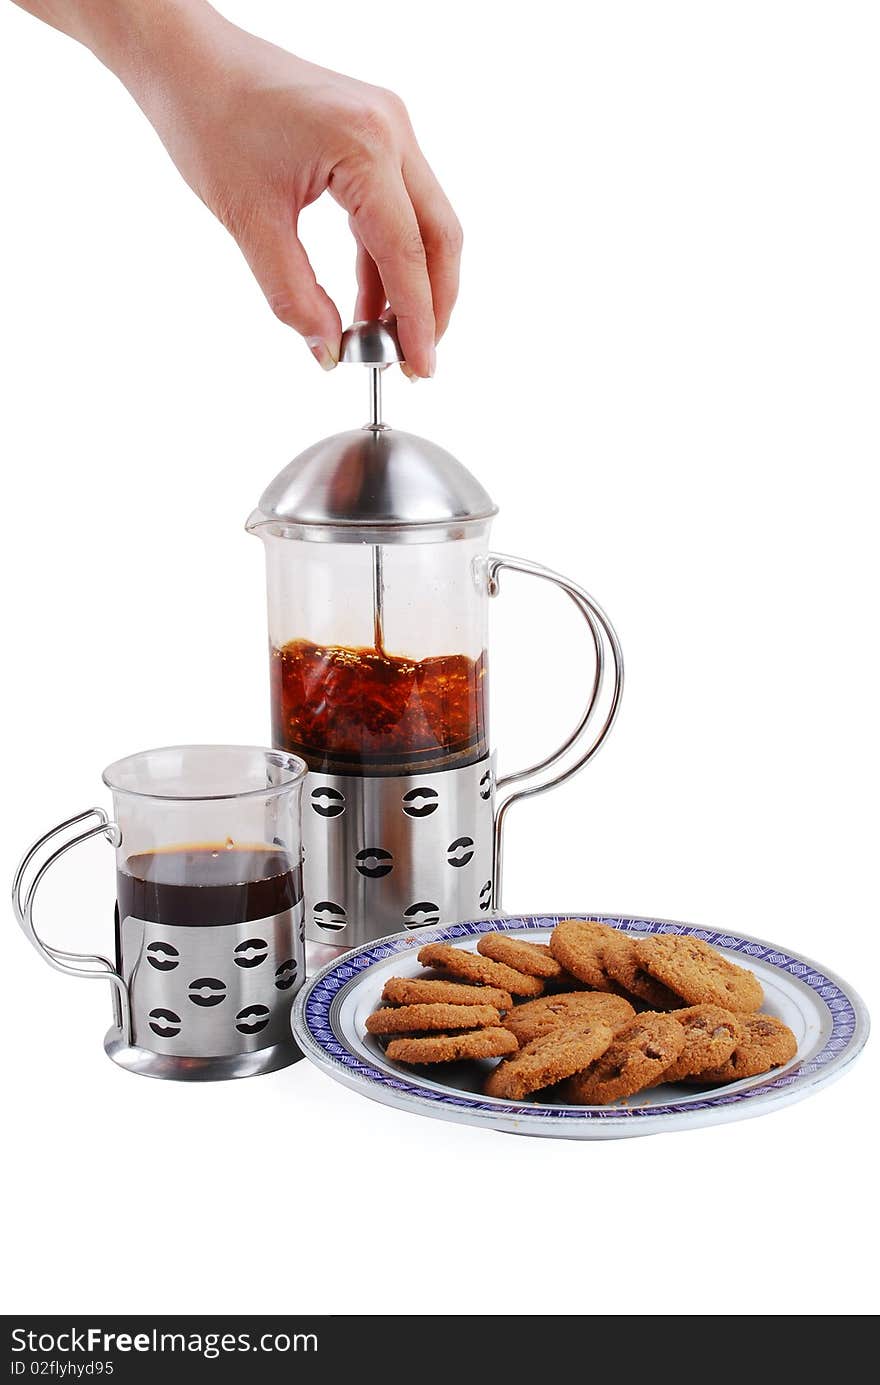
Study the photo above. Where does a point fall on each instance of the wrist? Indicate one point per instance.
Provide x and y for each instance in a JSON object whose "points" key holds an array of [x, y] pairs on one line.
{"points": [[142, 40]]}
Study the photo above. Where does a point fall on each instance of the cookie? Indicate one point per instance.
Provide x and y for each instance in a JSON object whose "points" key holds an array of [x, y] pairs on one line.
{"points": [[710, 1036], [638, 1056], [566, 1010], [412, 1019], [577, 945], [698, 973], [481, 970], [448, 1048], [765, 1043], [620, 964], [548, 1060], [411, 990], [535, 959]]}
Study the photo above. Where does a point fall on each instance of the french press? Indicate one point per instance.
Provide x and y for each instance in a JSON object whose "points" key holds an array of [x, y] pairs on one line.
{"points": [[379, 575]]}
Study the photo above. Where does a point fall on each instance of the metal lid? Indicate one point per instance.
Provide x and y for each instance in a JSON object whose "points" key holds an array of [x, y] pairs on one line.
{"points": [[350, 486]]}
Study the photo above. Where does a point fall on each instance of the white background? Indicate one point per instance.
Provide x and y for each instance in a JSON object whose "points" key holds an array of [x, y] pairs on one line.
{"points": [[664, 367]]}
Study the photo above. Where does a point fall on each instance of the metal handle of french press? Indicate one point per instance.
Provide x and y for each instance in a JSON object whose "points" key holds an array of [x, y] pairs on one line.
{"points": [[32, 869], [556, 768]]}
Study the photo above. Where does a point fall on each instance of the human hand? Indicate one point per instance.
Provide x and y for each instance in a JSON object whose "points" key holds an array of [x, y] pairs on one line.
{"points": [[259, 134]]}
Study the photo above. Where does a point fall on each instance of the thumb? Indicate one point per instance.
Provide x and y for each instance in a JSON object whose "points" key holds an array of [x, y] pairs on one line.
{"points": [[282, 268]]}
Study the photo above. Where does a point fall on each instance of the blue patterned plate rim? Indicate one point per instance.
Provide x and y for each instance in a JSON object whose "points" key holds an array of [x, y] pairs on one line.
{"points": [[314, 1031]]}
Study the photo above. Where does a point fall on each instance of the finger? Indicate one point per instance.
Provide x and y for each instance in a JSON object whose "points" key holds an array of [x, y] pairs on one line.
{"points": [[370, 303], [441, 236], [376, 198], [282, 269]]}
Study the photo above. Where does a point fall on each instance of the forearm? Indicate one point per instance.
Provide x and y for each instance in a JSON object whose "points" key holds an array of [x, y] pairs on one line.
{"points": [[134, 38]]}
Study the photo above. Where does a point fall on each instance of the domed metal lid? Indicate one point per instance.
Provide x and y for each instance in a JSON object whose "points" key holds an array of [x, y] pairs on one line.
{"points": [[374, 483]]}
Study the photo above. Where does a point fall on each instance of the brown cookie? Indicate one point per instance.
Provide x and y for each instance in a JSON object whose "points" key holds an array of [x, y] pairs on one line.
{"points": [[565, 1011], [699, 973], [620, 964], [413, 990], [765, 1043], [548, 1060], [413, 1019], [449, 1048], [638, 1056], [481, 970], [535, 959], [710, 1036], [577, 945]]}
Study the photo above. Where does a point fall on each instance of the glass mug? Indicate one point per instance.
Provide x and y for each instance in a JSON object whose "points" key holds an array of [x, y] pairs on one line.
{"points": [[209, 915]]}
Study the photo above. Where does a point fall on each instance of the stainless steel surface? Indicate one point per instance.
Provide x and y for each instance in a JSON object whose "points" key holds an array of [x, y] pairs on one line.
{"points": [[370, 343], [319, 954], [556, 768], [344, 486], [213, 992], [394, 852], [148, 1064], [90, 965], [354, 486]]}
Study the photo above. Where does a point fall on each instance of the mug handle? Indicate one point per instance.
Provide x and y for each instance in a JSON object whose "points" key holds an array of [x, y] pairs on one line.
{"points": [[23, 904], [557, 767]]}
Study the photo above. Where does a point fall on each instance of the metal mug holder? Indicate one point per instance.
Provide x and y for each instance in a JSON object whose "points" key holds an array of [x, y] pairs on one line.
{"points": [[119, 1042]]}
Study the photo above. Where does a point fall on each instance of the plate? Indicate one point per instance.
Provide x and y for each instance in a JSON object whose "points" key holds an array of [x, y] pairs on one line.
{"points": [[829, 1021]]}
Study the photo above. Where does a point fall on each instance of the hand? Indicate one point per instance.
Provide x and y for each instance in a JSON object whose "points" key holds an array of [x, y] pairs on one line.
{"points": [[259, 134]]}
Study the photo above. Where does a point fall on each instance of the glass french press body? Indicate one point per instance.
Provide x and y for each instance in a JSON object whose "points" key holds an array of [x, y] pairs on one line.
{"points": [[379, 576]]}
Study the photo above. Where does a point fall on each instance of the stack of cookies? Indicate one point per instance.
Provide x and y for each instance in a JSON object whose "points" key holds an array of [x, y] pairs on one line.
{"points": [[598, 1014], [430, 1021]]}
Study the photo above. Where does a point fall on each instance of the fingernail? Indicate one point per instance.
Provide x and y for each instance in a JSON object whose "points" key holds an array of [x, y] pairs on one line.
{"points": [[321, 352], [409, 373], [432, 361]]}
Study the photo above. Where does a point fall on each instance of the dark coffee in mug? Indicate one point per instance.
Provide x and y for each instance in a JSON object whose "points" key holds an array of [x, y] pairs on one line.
{"points": [[206, 885]]}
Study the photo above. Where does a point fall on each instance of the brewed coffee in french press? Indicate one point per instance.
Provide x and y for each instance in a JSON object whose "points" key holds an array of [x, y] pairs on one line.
{"points": [[379, 574]]}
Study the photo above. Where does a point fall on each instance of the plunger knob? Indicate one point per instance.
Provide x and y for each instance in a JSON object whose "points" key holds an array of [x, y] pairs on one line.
{"points": [[370, 343]]}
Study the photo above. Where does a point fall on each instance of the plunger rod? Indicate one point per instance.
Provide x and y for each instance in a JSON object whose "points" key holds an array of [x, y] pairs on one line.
{"points": [[375, 397], [378, 600], [378, 577]]}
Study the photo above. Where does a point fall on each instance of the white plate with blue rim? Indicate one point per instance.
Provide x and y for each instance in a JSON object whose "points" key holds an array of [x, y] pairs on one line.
{"points": [[826, 1015]]}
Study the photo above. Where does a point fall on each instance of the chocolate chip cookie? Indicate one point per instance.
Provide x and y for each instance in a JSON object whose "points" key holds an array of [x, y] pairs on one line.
{"points": [[765, 1043], [698, 973], [620, 963], [449, 1048], [414, 990], [415, 1019], [577, 945], [481, 970], [548, 1060], [710, 1036], [535, 959], [566, 1010], [637, 1057]]}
